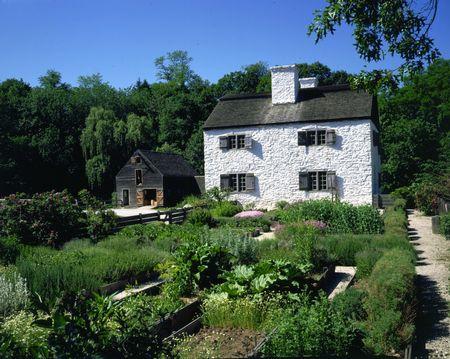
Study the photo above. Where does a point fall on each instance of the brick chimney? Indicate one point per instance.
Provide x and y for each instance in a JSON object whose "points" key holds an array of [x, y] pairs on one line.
{"points": [[285, 84]]}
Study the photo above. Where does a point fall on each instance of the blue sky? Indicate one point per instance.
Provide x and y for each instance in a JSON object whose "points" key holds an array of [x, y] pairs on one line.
{"points": [[121, 38]]}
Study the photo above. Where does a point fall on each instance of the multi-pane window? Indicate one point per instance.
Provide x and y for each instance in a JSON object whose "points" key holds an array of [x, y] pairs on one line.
{"points": [[235, 141], [317, 180], [316, 137], [238, 182]]}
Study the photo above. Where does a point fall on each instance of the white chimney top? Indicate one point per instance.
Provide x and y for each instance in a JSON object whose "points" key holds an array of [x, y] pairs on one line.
{"points": [[285, 84], [308, 82]]}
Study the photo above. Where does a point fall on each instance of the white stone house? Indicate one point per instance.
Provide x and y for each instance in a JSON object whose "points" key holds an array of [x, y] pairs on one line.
{"points": [[301, 142]]}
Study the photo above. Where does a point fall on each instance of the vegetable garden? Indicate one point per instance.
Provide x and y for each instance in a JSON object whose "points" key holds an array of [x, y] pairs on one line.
{"points": [[253, 297]]}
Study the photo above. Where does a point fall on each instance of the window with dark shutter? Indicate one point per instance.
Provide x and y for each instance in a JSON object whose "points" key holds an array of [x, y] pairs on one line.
{"points": [[303, 138], [330, 137], [331, 180], [304, 181], [248, 141], [224, 181], [138, 177], [250, 181], [223, 142]]}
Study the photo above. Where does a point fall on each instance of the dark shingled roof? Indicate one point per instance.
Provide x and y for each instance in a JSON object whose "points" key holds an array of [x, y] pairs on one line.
{"points": [[323, 103], [168, 164]]}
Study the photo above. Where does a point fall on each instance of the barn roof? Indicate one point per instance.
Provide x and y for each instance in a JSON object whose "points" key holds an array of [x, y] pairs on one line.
{"points": [[323, 103], [169, 164]]}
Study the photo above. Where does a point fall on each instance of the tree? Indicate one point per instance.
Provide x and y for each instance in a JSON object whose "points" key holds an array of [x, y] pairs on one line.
{"points": [[175, 67], [383, 27], [415, 127]]}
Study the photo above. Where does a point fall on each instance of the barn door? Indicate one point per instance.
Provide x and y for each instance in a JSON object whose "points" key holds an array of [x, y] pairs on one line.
{"points": [[160, 198], [140, 197]]}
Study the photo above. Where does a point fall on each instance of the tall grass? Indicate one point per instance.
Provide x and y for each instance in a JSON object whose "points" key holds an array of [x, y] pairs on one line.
{"points": [[83, 265], [219, 311]]}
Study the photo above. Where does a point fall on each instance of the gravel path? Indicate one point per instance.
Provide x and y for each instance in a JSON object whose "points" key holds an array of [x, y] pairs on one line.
{"points": [[433, 327]]}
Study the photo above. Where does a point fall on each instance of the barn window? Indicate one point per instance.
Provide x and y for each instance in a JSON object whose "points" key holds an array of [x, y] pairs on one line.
{"points": [[238, 182], [137, 159], [317, 180], [235, 142], [316, 137], [138, 177]]}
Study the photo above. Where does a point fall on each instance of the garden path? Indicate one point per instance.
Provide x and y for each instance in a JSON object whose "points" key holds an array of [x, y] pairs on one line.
{"points": [[433, 251]]}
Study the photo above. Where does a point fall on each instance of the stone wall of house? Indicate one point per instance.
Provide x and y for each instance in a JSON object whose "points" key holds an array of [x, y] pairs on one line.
{"points": [[276, 159]]}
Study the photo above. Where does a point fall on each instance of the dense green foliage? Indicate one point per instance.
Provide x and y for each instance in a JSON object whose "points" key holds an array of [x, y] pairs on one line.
{"points": [[415, 133], [56, 136], [339, 217]]}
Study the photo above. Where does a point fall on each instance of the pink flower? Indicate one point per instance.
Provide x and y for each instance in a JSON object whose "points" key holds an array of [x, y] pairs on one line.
{"points": [[316, 224], [249, 214]]}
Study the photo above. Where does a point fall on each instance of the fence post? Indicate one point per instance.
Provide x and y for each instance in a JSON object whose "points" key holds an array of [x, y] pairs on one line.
{"points": [[170, 217], [140, 218]]}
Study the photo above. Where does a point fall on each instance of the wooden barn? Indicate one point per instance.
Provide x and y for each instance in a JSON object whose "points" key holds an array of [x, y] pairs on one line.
{"points": [[155, 179]]}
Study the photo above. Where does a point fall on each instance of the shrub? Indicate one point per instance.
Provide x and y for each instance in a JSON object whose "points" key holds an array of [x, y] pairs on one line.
{"points": [[405, 193], [243, 247], [365, 261], [200, 217], [445, 225], [338, 216], [426, 197], [343, 248], [248, 223], [302, 237], [21, 338], [389, 305], [225, 209], [282, 205], [9, 250], [311, 328], [14, 294], [350, 304], [399, 204], [49, 218]]}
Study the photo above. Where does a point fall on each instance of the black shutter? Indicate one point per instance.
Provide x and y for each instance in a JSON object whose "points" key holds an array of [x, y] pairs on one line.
{"points": [[303, 138], [223, 142], [250, 181], [304, 184], [248, 141], [330, 137], [331, 180], [224, 181]]}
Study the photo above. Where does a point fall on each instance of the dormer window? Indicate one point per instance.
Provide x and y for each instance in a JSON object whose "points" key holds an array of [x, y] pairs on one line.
{"points": [[137, 159]]}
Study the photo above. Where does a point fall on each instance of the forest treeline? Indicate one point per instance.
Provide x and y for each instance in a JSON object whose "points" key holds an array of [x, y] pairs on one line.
{"points": [[55, 136]]}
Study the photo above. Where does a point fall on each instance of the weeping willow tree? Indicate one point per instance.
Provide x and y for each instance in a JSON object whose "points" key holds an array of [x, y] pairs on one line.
{"points": [[107, 142]]}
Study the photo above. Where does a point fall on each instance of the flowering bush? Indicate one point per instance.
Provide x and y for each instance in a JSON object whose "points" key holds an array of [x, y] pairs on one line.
{"points": [[279, 228], [249, 214]]}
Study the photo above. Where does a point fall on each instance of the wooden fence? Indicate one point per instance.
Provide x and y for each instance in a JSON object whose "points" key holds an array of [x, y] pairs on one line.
{"points": [[176, 216]]}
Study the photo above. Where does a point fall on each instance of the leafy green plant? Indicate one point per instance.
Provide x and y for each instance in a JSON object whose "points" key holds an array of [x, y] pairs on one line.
{"points": [[302, 238], [311, 328], [366, 260], [445, 225], [405, 193], [225, 209], [265, 276], [427, 197], [200, 217], [196, 264], [14, 294], [20, 337]]}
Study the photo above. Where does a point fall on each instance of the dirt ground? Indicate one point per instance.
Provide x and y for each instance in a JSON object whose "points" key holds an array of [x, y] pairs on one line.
{"points": [[220, 343], [433, 327]]}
